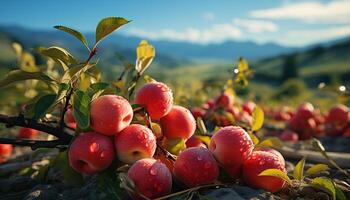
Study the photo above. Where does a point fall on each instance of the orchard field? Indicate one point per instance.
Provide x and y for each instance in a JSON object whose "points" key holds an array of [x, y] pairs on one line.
{"points": [[87, 127]]}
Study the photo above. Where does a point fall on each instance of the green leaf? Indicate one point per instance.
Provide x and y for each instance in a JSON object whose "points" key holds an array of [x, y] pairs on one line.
{"points": [[70, 176], [81, 111], [175, 146], [276, 173], [59, 55], [97, 89], [109, 184], [316, 169], [271, 142], [325, 184], [298, 172], [339, 194], [75, 33], [107, 25], [19, 75], [258, 118], [43, 104]]}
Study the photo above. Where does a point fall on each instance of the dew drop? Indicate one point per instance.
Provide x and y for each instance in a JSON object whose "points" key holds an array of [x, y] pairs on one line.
{"points": [[153, 171], [94, 147], [199, 158], [261, 162], [103, 154]]}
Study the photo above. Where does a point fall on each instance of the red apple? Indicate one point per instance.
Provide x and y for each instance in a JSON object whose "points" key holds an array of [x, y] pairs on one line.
{"points": [[5, 152], [196, 166], [231, 145], [289, 136], [90, 153], [110, 114], [151, 178], [178, 123], [194, 142], [198, 112], [134, 143], [257, 163], [273, 151], [69, 118], [234, 111], [249, 107], [156, 97], [27, 133], [224, 100], [338, 115]]}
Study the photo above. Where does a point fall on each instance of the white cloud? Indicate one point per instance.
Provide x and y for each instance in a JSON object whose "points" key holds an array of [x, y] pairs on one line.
{"points": [[215, 34], [208, 16], [336, 11], [256, 26], [305, 37]]}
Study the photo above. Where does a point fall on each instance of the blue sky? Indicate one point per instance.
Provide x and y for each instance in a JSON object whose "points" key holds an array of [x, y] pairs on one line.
{"points": [[287, 22]]}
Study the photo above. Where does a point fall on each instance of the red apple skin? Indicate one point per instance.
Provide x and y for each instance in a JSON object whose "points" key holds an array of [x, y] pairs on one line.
{"points": [[5, 152], [230, 146], [198, 112], [110, 114], [27, 133], [178, 123], [151, 178], [69, 118], [194, 142], [196, 166], [156, 97], [305, 110], [249, 107], [234, 111], [289, 136], [134, 143], [257, 163], [338, 115], [224, 100], [90, 153], [273, 151]]}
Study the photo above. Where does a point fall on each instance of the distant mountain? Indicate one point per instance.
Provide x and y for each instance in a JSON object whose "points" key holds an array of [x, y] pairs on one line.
{"points": [[170, 50]]}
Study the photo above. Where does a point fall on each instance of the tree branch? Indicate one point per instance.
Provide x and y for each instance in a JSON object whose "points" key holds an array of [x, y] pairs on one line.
{"points": [[30, 123], [34, 144]]}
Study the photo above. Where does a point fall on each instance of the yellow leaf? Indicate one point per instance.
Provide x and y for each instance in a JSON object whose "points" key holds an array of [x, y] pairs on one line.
{"points": [[276, 173], [299, 170], [316, 169], [145, 54], [205, 139], [254, 138], [148, 79], [242, 65], [271, 142], [324, 184], [258, 118], [174, 146], [201, 125], [119, 84]]}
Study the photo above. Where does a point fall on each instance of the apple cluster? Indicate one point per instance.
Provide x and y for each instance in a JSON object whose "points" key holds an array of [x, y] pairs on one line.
{"points": [[223, 109], [114, 134], [307, 122]]}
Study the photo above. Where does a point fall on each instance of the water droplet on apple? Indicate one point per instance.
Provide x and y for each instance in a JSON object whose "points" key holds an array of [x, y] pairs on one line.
{"points": [[199, 158], [153, 171], [94, 147]]}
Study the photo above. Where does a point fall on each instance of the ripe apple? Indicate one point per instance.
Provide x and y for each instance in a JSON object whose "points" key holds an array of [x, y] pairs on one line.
{"points": [[178, 123], [224, 100], [230, 146], [69, 118], [196, 166], [5, 152], [198, 112], [257, 163], [134, 143], [193, 141], [289, 136], [90, 153], [273, 151], [27, 133], [249, 106], [156, 97], [337, 119], [151, 177], [110, 114]]}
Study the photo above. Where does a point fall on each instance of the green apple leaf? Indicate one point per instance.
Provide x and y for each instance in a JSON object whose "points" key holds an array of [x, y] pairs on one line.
{"points": [[298, 172], [107, 25], [276, 173], [81, 105], [20, 75], [43, 104], [316, 169], [75, 33], [324, 184]]}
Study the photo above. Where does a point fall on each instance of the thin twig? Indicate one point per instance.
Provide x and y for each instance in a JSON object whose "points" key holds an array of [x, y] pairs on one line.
{"points": [[34, 144]]}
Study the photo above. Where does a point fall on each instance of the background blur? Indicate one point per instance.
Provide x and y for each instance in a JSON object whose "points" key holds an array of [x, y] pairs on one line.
{"points": [[293, 46]]}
